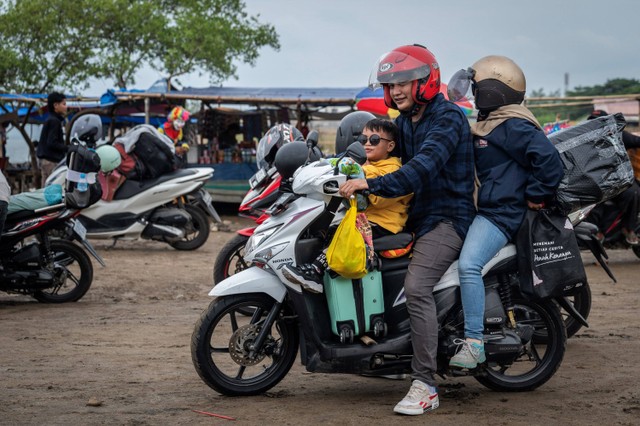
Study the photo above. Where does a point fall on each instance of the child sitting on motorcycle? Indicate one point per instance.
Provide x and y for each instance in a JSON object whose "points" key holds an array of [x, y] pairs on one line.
{"points": [[386, 215]]}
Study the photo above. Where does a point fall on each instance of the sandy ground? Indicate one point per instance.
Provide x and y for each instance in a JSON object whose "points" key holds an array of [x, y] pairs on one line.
{"points": [[121, 356]]}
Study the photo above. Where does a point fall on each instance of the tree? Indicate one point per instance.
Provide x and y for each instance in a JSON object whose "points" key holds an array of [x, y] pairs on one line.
{"points": [[43, 47], [126, 35], [209, 36], [61, 45], [616, 86]]}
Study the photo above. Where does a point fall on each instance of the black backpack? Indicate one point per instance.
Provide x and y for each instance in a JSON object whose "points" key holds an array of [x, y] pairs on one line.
{"points": [[153, 157]]}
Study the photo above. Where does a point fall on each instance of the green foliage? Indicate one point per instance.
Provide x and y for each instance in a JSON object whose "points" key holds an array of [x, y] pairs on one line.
{"points": [[539, 93], [127, 33], [208, 35], [616, 86], [44, 45], [61, 44]]}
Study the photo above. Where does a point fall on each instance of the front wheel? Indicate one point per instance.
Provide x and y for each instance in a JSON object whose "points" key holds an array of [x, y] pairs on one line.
{"points": [[540, 358], [230, 260], [221, 345], [196, 231], [72, 271]]}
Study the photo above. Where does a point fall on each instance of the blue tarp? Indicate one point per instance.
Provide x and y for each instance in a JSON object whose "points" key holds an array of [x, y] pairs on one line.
{"points": [[285, 93]]}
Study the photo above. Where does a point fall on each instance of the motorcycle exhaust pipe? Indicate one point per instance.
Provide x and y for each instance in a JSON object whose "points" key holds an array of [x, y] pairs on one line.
{"points": [[155, 231]]}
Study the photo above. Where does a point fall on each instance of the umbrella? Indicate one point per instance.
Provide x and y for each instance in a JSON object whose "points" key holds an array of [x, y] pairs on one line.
{"points": [[373, 101]]}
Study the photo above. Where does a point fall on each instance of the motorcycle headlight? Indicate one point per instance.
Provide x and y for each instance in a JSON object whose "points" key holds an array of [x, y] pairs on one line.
{"points": [[264, 255], [259, 237]]}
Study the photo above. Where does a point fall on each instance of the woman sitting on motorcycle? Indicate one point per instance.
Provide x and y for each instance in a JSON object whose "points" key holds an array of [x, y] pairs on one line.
{"points": [[518, 169]]}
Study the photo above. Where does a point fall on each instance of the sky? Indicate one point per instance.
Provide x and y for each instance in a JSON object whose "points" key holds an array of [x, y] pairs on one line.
{"points": [[332, 43]]}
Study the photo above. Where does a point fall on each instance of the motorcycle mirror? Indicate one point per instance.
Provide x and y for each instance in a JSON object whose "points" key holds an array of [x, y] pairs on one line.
{"points": [[312, 138], [357, 152]]}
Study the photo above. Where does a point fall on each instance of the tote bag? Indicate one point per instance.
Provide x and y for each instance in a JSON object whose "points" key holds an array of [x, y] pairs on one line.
{"points": [[548, 256], [347, 252]]}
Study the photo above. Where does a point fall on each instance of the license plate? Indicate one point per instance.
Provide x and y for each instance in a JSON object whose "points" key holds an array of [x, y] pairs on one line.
{"points": [[79, 229]]}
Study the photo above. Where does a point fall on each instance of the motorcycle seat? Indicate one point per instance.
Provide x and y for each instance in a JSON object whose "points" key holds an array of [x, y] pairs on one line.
{"points": [[15, 217], [391, 242], [393, 246], [132, 187]]}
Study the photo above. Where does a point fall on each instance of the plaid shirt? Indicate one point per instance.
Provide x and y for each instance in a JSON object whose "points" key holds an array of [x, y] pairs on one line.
{"points": [[438, 168]]}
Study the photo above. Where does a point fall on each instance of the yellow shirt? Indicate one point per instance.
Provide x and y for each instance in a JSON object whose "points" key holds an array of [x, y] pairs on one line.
{"points": [[390, 213]]}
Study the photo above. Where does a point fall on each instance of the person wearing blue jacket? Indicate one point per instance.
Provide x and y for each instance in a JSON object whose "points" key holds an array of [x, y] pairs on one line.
{"points": [[518, 169], [436, 149]]}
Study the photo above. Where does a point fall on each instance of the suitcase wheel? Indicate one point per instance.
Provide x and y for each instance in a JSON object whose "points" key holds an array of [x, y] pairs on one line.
{"points": [[346, 334], [379, 328]]}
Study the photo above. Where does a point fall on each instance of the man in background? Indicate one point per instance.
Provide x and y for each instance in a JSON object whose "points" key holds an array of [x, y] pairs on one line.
{"points": [[51, 147]]}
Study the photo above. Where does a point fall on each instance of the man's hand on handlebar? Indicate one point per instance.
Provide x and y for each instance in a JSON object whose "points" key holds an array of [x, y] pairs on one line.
{"points": [[348, 188]]}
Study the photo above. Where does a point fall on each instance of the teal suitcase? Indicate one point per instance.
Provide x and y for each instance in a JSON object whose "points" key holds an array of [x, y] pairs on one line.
{"points": [[356, 306]]}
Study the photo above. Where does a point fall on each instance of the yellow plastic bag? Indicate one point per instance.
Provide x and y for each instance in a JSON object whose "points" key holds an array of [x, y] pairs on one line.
{"points": [[347, 253]]}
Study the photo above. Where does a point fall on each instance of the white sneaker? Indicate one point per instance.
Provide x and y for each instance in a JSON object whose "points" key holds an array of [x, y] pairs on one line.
{"points": [[419, 400]]}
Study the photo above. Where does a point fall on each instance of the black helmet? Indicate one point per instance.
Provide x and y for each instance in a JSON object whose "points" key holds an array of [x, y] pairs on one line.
{"points": [[275, 137], [291, 156], [350, 128], [88, 129]]}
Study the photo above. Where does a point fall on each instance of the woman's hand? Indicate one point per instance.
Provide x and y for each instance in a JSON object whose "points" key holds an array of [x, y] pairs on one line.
{"points": [[534, 206], [348, 188]]}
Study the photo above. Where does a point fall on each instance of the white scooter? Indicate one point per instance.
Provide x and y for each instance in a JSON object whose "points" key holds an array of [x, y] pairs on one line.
{"points": [[171, 208], [236, 354], [155, 209]]}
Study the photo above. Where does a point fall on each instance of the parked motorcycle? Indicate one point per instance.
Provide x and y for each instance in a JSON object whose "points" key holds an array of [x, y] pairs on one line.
{"points": [[264, 191], [610, 222], [154, 209], [239, 355], [33, 263], [171, 207], [145, 209]]}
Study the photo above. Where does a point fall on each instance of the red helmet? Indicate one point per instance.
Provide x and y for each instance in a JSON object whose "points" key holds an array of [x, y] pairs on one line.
{"points": [[413, 63]]}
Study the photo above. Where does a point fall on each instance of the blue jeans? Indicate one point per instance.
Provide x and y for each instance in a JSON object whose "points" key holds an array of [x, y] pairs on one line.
{"points": [[482, 243]]}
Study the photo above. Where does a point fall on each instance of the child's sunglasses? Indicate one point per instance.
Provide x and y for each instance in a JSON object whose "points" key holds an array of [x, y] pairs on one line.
{"points": [[374, 140]]}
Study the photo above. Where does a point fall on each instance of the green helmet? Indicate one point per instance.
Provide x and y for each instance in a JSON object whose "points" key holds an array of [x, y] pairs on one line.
{"points": [[109, 158]]}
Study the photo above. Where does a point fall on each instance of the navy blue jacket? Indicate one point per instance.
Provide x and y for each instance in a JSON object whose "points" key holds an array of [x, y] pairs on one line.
{"points": [[515, 163], [437, 167], [51, 145]]}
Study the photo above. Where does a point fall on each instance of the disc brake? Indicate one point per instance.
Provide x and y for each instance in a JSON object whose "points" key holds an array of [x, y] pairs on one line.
{"points": [[240, 343]]}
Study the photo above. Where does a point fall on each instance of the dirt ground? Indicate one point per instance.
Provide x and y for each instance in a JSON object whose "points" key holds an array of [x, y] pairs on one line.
{"points": [[121, 356]]}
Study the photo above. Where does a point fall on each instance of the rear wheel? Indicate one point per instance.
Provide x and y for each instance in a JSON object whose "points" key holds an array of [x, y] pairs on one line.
{"points": [[539, 358], [73, 273], [196, 231]]}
